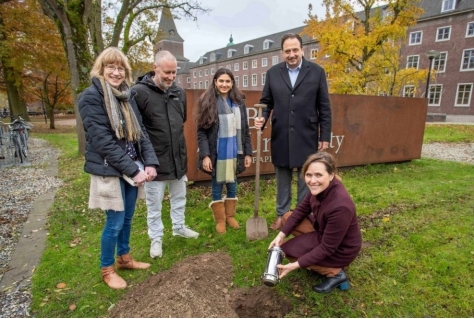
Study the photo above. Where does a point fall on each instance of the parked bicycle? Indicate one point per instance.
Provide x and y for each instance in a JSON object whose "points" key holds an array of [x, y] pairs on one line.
{"points": [[19, 132]]}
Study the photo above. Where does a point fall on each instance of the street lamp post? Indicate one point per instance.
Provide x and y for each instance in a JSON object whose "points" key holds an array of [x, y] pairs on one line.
{"points": [[431, 54]]}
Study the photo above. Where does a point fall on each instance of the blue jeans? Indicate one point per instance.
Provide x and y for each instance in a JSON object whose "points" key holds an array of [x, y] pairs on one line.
{"points": [[217, 189], [118, 225]]}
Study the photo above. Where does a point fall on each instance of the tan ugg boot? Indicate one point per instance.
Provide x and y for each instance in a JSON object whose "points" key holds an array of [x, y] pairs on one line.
{"points": [[126, 262], [112, 279], [218, 210], [230, 205]]}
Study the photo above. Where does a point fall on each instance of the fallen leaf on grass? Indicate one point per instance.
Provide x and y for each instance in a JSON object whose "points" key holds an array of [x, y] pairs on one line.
{"points": [[72, 307], [61, 285]]}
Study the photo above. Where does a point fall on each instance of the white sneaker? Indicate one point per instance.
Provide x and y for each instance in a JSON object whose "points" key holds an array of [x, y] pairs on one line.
{"points": [[155, 248], [185, 232]]}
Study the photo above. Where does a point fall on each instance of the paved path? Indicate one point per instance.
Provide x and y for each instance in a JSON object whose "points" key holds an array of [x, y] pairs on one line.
{"points": [[32, 242]]}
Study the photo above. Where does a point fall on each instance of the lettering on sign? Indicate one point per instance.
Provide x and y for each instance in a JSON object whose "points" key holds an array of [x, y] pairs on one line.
{"points": [[263, 159]]}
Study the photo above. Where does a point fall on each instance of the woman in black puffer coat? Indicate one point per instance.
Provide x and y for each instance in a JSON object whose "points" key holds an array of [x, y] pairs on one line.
{"points": [[116, 146]]}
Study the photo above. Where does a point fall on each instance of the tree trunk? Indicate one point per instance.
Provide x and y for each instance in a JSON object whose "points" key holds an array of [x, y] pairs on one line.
{"points": [[16, 103], [74, 34], [50, 111]]}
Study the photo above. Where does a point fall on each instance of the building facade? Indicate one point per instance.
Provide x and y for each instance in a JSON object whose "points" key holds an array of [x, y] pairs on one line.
{"points": [[446, 32], [446, 26]]}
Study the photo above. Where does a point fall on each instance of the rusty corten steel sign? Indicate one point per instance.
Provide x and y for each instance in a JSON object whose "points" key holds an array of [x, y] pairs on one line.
{"points": [[365, 130]]}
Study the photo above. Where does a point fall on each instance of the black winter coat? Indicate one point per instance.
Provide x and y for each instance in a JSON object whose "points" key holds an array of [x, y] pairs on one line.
{"points": [[207, 142], [164, 114], [300, 115], [105, 154]]}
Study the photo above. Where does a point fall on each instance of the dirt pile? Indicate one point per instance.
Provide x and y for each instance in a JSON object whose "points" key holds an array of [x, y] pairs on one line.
{"points": [[198, 286]]}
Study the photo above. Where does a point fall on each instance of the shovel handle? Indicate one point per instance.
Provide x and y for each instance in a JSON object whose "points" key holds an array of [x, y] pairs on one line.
{"points": [[257, 164]]}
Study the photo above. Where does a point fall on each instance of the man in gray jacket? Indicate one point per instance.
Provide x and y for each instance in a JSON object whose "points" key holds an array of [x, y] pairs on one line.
{"points": [[162, 105]]}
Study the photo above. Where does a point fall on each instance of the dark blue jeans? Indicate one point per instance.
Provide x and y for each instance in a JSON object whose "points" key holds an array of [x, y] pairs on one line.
{"points": [[118, 225], [217, 189]]}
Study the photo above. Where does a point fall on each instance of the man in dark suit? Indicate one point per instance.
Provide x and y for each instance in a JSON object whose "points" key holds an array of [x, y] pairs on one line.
{"points": [[297, 97]]}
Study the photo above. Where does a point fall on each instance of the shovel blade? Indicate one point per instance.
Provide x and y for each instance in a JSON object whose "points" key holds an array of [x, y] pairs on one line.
{"points": [[256, 228]]}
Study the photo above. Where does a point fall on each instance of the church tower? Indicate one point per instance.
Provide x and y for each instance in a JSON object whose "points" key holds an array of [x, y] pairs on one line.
{"points": [[168, 37]]}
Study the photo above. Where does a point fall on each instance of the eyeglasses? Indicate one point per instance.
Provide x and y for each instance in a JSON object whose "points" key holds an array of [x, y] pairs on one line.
{"points": [[112, 68]]}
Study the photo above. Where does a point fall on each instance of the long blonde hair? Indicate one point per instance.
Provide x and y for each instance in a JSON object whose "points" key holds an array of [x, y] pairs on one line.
{"points": [[111, 55]]}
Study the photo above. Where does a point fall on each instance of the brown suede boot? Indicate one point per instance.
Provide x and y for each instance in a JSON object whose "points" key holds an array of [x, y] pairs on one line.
{"points": [[112, 279], [230, 205], [218, 211], [126, 262]]}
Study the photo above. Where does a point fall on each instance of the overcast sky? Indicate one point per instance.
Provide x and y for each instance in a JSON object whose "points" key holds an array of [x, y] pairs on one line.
{"points": [[244, 19]]}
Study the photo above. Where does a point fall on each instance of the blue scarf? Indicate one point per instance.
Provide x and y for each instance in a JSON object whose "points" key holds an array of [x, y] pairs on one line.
{"points": [[228, 143]]}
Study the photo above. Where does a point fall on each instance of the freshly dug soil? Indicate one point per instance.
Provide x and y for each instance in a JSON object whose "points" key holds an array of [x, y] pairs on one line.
{"points": [[199, 286]]}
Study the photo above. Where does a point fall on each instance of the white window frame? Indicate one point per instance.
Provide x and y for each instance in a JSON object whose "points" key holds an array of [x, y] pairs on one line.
{"points": [[419, 39], [254, 64], [417, 62], [212, 58], [200, 73], [247, 48], [179, 79], [254, 80], [267, 43], [206, 72], [409, 88], [200, 84], [442, 59], [436, 86], [456, 104], [236, 80], [440, 32], [228, 66], [264, 77], [202, 60], [206, 84], [470, 59], [313, 54], [213, 70], [470, 28], [195, 85], [264, 62], [448, 5], [245, 65], [245, 81], [236, 66], [275, 60], [194, 74], [188, 79], [230, 52]]}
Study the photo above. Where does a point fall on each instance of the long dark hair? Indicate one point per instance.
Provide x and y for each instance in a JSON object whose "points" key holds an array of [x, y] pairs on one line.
{"points": [[206, 110]]}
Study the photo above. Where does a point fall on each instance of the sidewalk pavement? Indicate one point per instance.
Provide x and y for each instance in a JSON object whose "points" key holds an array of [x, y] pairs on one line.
{"points": [[32, 242]]}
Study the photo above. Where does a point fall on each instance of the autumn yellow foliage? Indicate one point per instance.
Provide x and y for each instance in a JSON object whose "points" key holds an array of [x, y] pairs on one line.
{"points": [[360, 45]]}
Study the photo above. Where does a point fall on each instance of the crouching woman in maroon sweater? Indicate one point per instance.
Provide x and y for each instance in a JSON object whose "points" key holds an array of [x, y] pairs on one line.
{"points": [[326, 233]]}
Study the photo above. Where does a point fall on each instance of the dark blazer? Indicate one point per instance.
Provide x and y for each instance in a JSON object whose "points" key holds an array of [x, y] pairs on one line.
{"points": [[105, 154], [300, 115], [337, 240], [207, 142]]}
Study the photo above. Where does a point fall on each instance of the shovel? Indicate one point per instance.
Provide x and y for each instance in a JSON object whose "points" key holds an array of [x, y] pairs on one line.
{"points": [[257, 226]]}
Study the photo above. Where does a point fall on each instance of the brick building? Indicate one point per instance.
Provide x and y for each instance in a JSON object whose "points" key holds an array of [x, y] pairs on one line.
{"points": [[447, 26]]}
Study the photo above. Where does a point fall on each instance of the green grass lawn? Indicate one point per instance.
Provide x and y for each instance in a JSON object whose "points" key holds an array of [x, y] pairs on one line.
{"points": [[417, 220]]}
